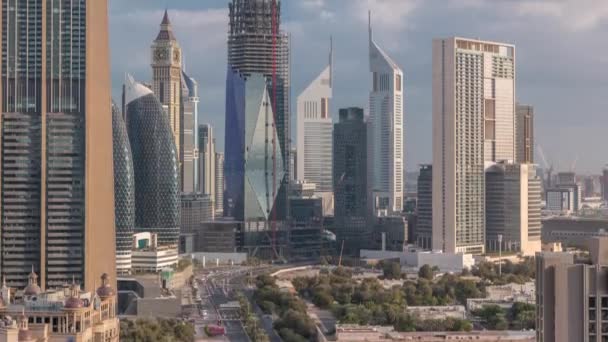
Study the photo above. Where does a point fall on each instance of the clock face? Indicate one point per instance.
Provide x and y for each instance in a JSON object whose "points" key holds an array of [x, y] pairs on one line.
{"points": [[176, 56], [160, 55]]}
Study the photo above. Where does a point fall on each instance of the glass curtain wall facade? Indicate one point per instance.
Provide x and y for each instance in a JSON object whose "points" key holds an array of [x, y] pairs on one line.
{"points": [[124, 192], [57, 180], [155, 164], [249, 168], [251, 43]]}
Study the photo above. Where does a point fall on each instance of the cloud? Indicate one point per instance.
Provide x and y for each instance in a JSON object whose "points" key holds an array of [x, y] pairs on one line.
{"points": [[387, 15], [312, 4]]}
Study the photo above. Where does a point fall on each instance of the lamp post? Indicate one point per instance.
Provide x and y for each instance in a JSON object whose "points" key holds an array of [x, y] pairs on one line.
{"points": [[500, 255]]}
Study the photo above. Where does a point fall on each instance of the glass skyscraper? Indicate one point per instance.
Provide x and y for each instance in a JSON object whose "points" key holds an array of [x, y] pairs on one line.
{"points": [[253, 48], [155, 164], [57, 203], [124, 192], [248, 164]]}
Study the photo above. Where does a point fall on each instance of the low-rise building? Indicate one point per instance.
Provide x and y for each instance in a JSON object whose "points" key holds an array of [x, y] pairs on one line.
{"points": [[505, 296], [65, 314], [573, 231], [413, 258], [390, 233], [359, 333], [147, 256], [438, 312]]}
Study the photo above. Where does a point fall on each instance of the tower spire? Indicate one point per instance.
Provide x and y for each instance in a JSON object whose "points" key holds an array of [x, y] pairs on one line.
{"points": [[331, 61], [369, 24]]}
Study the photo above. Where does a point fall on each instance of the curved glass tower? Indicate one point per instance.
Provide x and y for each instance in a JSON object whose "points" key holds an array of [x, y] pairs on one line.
{"points": [[155, 164], [124, 192]]}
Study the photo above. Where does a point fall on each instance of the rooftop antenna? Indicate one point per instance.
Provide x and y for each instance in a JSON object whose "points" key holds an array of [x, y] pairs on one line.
{"points": [[369, 23], [331, 61]]}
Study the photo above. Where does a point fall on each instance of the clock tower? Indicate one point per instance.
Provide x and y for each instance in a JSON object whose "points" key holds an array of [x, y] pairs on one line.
{"points": [[167, 78]]}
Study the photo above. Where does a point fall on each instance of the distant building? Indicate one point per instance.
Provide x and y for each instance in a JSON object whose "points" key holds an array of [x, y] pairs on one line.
{"points": [[414, 259], [250, 172], [390, 233], [573, 231], [605, 183], [219, 184], [196, 208], [64, 314], [385, 138], [314, 138], [206, 160], [251, 45], [189, 134], [524, 134], [560, 201], [220, 236], [473, 123], [124, 192], [366, 333], [306, 210], [513, 208], [571, 300], [424, 222], [350, 180], [148, 256], [155, 164], [167, 80]]}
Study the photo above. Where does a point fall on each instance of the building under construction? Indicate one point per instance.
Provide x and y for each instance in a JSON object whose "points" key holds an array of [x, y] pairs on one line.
{"points": [[257, 167]]}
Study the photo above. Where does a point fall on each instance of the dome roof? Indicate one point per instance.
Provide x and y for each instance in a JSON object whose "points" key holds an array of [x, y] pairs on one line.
{"points": [[105, 290], [73, 303], [32, 290]]}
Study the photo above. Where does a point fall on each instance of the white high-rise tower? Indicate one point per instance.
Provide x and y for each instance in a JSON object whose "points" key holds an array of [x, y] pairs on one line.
{"points": [[473, 126], [314, 141], [386, 132]]}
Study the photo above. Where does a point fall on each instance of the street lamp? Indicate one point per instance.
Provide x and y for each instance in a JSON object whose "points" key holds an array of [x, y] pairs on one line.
{"points": [[500, 255]]}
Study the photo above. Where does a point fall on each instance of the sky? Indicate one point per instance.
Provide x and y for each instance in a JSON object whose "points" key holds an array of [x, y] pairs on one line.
{"points": [[561, 56]]}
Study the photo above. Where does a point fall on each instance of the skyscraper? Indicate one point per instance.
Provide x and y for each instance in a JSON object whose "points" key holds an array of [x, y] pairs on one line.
{"points": [[124, 192], [219, 184], [424, 223], [314, 139], [473, 122], [56, 180], [386, 132], [206, 148], [524, 134], [255, 45], [513, 208], [571, 301], [249, 166], [155, 164], [189, 135], [350, 180], [167, 79]]}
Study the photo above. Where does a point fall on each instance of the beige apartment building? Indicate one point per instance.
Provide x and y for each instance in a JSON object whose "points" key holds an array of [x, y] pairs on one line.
{"points": [[473, 123], [571, 296]]}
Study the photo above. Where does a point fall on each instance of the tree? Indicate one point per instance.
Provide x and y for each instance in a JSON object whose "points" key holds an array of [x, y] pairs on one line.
{"points": [[322, 299], [426, 272], [391, 270]]}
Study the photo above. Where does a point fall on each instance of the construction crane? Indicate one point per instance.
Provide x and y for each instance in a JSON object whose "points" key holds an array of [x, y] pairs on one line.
{"points": [[548, 166]]}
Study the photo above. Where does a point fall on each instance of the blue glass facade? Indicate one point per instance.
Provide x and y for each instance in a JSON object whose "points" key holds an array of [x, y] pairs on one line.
{"points": [[234, 146], [155, 164], [253, 177]]}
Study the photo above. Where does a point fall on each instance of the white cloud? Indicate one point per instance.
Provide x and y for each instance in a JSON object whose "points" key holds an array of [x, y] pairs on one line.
{"points": [[387, 15], [312, 4]]}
